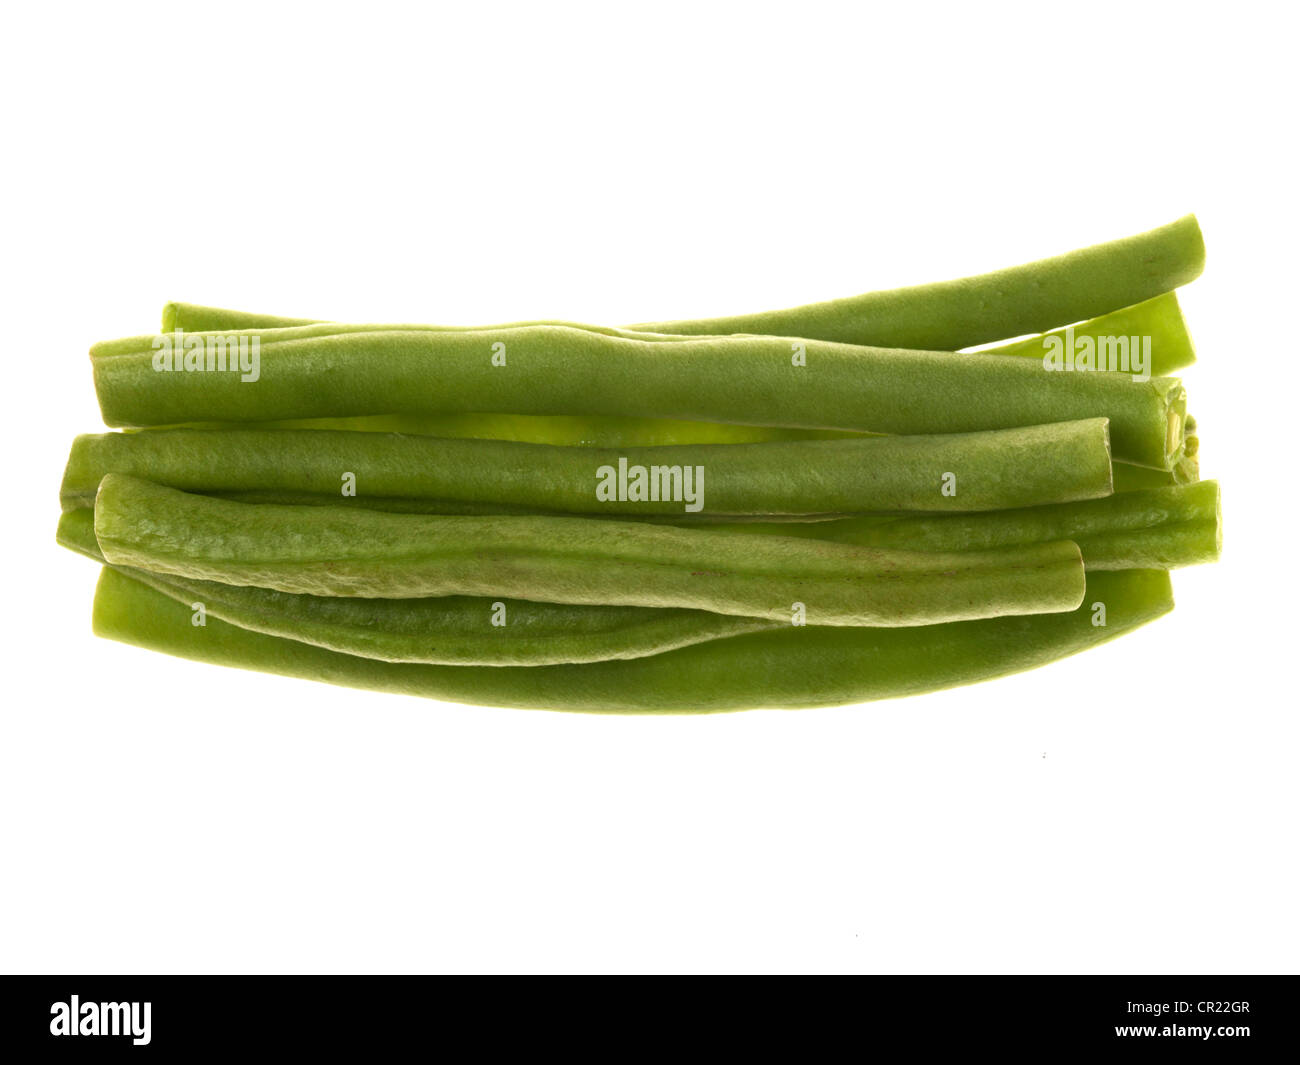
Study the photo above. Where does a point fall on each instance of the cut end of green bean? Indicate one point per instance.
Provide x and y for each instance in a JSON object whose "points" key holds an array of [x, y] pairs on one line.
{"points": [[1174, 435], [76, 532], [1174, 399]]}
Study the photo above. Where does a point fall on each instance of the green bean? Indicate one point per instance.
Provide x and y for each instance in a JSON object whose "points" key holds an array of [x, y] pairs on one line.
{"points": [[342, 551], [786, 668], [957, 472], [1156, 528], [975, 310], [1160, 319], [1122, 278], [448, 631], [561, 370], [1158, 322]]}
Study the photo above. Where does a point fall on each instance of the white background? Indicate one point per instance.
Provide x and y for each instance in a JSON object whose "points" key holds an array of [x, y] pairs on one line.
{"points": [[1131, 810]]}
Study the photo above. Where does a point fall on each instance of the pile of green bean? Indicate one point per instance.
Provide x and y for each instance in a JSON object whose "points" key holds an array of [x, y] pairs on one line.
{"points": [[821, 505]]}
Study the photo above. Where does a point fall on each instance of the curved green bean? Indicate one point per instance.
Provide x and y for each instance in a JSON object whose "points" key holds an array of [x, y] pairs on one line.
{"points": [[786, 668], [1031, 298], [1159, 319], [1156, 528], [956, 472], [342, 551], [562, 370], [446, 631]]}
